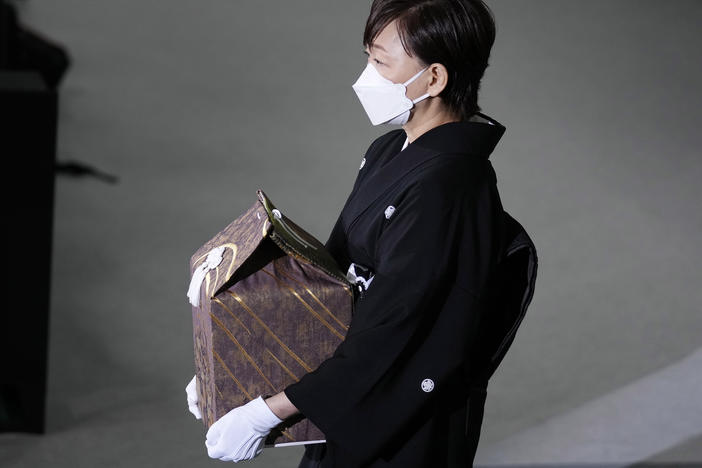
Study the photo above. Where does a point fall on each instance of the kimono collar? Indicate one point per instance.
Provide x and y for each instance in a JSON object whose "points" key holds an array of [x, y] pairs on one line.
{"points": [[468, 137], [472, 137]]}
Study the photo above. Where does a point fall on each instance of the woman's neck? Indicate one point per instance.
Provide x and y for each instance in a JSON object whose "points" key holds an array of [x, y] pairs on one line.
{"points": [[415, 127]]}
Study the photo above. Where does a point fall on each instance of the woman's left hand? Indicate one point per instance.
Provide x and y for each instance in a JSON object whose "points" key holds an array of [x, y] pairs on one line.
{"points": [[240, 434], [191, 392]]}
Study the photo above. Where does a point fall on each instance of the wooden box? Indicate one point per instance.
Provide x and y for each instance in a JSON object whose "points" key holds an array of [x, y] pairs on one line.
{"points": [[269, 305]]}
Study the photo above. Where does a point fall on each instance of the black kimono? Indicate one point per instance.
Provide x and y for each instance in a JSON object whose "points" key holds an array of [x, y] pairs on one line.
{"points": [[427, 221]]}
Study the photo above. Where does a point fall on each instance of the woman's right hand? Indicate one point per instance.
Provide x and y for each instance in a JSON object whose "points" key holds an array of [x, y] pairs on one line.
{"points": [[191, 391]]}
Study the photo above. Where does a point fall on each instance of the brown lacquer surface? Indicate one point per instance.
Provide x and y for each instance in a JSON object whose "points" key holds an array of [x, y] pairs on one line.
{"points": [[272, 311]]}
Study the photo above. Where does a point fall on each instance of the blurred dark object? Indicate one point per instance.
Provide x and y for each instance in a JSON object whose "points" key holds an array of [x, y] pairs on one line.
{"points": [[28, 112], [24, 49], [78, 169], [31, 68]]}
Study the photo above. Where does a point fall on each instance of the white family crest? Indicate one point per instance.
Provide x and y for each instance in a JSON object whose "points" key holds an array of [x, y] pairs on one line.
{"points": [[389, 211]]}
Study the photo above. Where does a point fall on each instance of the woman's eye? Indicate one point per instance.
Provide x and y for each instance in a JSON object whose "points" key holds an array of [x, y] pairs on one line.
{"points": [[375, 59]]}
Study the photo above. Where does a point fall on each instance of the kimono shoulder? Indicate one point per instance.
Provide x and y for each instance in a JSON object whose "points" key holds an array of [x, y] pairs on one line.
{"points": [[382, 141]]}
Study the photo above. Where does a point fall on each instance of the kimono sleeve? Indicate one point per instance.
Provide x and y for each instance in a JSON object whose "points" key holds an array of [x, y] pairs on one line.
{"points": [[336, 245], [410, 332]]}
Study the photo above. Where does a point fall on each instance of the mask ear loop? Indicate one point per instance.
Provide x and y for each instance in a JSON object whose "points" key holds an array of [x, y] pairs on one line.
{"points": [[415, 76], [423, 96], [420, 98]]}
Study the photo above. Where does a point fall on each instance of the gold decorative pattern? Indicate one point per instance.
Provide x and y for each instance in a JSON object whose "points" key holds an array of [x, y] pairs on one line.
{"points": [[315, 298], [219, 392], [236, 381], [285, 368], [230, 268], [226, 307], [243, 351], [270, 332], [307, 306]]}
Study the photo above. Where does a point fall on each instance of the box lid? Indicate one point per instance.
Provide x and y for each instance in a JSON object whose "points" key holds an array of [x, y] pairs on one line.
{"points": [[221, 257]]}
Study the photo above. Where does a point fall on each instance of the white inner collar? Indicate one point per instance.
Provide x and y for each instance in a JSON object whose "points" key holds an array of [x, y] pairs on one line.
{"points": [[474, 118]]}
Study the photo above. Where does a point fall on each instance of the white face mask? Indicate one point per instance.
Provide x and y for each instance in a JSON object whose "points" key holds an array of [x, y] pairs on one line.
{"points": [[385, 101]]}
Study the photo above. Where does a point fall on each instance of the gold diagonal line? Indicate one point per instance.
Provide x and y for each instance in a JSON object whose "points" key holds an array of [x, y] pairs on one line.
{"points": [[275, 337], [218, 391], [287, 434], [235, 251], [285, 368], [214, 285], [241, 387], [243, 351], [315, 298], [312, 311], [232, 314]]}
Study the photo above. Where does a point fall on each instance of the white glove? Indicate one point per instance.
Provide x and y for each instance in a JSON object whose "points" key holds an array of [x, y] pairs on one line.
{"points": [[240, 434], [191, 391]]}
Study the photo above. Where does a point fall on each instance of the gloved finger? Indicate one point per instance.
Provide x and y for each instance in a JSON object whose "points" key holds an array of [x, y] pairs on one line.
{"points": [[215, 450], [228, 450], [211, 443], [252, 448], [215, 431], [260, 446], [232, 458], [223, 439], [195, 410], [212, 439], [239, 452], [191, 389], [257, 447]]}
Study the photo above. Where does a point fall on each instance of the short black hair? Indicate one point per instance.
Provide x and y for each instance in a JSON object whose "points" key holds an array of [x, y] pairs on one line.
{"points": [[458, 34]]}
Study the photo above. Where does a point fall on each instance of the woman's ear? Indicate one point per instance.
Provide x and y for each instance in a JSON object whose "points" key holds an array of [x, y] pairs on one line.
{"points": [[438, 80]]}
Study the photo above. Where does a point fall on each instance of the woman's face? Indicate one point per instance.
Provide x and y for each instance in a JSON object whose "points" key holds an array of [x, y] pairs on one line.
{"points": [[388, 56]]}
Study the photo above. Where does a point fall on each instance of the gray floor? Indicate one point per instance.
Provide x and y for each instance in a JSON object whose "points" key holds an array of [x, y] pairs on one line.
{"points": [[195, 105]]}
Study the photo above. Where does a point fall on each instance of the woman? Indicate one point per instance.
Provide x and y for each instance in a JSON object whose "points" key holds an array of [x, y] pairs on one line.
{"points": [[420, 233]]}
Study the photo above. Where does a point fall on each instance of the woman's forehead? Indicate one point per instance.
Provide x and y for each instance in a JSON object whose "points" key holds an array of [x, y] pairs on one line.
{"points": [[388, 40]]}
